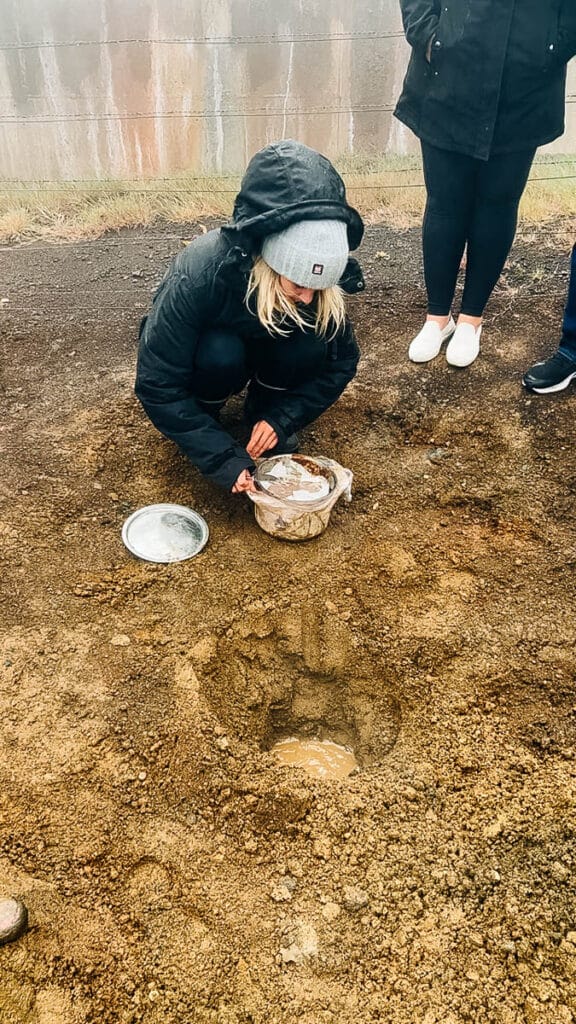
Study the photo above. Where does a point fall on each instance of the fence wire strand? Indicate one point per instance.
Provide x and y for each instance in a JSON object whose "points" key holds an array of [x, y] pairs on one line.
{"points": [[199, 115], [310, 37]]}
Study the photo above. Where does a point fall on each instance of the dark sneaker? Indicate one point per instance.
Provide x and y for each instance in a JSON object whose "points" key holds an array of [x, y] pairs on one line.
{"points": [[554, 374]]}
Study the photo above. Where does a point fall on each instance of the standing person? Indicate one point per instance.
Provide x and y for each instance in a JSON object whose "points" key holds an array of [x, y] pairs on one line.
{"points": [[258, 302], [555, 373], [484, 88]]}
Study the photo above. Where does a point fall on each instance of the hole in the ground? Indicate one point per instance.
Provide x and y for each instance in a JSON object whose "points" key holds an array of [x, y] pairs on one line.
{"points": [[264, 691], [351, 715]]}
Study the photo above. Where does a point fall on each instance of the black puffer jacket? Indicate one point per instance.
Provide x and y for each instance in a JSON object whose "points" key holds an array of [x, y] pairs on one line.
{"points": [[496, 78], [205, 287]]}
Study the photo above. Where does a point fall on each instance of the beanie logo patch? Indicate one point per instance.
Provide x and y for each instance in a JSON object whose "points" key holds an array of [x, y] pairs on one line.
{"points": [[318, 268]]}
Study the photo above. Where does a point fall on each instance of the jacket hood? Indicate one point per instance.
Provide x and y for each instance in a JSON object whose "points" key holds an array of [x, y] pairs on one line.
{"points": [[286, 182]]}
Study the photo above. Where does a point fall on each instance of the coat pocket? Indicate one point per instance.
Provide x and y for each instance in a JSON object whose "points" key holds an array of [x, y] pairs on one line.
{"points": [[454, 18], [534, 34], [554, 51]]}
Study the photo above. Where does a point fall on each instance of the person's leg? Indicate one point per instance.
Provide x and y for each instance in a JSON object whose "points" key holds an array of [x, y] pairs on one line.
{"points": [[220, 368], [557, 372], [280, 365], [500, 183], [568, 340], [284, 362], [450, 182], [450, 179]]}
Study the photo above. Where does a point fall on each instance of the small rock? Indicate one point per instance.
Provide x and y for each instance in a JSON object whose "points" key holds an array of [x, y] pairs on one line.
{"points": [[493, 829], [295, 868], [559, 872], [304, 944], [13, 920], [330, 911], [322, 848], [222, 743], [280, 894], [120, 640], [437, 455], [354, 898]]}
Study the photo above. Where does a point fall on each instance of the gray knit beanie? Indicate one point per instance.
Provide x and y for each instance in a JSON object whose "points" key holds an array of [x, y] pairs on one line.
{"points": [[310, 253]]}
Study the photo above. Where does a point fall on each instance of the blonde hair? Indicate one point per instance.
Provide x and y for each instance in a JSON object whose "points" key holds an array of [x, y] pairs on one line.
{"points": [[278, 314]]}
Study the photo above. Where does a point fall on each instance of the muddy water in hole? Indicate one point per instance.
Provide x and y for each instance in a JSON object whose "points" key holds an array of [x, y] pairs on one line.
{"points": [[322, 759]]}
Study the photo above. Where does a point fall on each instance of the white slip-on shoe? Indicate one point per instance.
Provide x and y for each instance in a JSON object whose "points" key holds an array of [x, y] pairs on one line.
{"points": [[427, 344], [464, 345]]}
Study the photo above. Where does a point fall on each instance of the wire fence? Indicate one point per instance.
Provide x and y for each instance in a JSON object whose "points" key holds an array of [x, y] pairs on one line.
{"points": [[246, 40], [202, 115], [232, 191], [102, 189], [34, 183]]}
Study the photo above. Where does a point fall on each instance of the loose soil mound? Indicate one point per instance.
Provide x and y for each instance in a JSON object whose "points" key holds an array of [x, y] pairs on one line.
{"points": [[173, 871]]}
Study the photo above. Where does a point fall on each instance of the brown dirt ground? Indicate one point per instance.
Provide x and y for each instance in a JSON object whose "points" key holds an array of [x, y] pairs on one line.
{"points": [[172, 870]]}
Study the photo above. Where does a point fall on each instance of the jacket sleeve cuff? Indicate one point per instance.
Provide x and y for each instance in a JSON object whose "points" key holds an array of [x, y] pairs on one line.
{"points": [[228, 474]]}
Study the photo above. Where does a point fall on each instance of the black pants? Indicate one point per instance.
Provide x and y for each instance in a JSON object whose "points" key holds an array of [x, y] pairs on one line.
{"points": [[225, 363], [471, 203], [568, 342]]}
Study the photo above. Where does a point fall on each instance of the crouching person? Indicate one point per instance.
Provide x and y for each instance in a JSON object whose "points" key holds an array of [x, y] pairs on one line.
{"points": [[256, 304]]}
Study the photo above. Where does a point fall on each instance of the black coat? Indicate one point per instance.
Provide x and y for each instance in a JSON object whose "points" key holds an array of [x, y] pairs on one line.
{"points": [[205, 287], [496, 78]]}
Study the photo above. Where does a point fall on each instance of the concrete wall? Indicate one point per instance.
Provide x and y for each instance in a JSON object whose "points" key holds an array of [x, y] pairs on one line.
{"points": [[85, 109]]}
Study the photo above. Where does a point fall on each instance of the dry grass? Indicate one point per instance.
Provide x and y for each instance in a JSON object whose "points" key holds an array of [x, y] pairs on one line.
{"points": [[15, 223], [388, 190], [69, 211]]}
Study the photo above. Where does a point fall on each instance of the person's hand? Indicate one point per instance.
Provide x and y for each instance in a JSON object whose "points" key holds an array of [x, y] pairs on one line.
{"points": [[245, 482], [262, 438]]}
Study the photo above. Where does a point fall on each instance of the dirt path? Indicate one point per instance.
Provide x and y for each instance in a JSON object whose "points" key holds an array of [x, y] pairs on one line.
{"points": [[173, 872]]}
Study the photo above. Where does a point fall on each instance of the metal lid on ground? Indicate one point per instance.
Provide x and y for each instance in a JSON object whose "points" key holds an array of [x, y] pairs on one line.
{"points": [[165, 533]]}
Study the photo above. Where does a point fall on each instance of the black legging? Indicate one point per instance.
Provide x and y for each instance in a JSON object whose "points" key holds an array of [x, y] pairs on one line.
{"points": [[224, 362], [474, 203]]}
